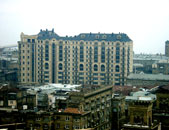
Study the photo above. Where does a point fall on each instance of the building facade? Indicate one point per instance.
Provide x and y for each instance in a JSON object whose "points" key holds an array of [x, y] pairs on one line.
{"points": [[140, 116], [87, 58]]}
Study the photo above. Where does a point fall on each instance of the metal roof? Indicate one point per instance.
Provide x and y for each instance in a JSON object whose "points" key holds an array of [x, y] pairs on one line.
{"points": [[122, 37]]}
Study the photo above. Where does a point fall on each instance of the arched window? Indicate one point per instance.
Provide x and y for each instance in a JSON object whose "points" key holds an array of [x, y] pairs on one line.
{"points": [[103, 44], [117, 44], [46, 66], [95, 67], [81, 67], [117, 68], [60, 66], [102, 68]]}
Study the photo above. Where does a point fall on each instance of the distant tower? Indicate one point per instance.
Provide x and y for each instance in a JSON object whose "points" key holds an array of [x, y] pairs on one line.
{"points": [[167, 48]]}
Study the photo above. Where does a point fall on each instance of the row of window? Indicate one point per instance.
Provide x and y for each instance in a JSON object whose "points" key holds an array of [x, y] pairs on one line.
{"points": [[83, 43], [81, 67]]}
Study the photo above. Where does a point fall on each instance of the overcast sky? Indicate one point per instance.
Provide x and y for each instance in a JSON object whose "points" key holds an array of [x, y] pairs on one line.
{"points": [[146, 22]]}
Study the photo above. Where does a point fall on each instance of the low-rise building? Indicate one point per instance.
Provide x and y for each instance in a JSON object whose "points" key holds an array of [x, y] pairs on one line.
{"points": [[140, 114], [67, 106], [147, 80], [145, 62], [161, 66]]}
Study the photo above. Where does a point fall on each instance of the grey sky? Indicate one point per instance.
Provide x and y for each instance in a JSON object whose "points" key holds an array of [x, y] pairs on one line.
{"points": [[145, 21]]}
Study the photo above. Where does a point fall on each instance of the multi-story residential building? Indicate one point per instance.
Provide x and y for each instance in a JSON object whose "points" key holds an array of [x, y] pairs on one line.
{"points": [[88, 58], [88, 107], [97, 101], [167, 48]]}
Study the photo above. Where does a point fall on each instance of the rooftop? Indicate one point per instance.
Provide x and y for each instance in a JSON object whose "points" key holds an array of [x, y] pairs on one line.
{"points": [[141, 96], [154, 57], [73, 111], [45, 34], [51, 88], [149, 77]]}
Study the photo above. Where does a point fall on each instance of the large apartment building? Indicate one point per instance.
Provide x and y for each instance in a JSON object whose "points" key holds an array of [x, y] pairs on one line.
{"points": [[88, 58]]}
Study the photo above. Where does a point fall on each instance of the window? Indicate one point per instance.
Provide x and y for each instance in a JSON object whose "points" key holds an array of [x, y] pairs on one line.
{"points": [[60, 52], [60, 66], [117, 68], [67, 126], [33, 40], [67, 118], [81, 67], [95, 74], [46, 72], [102, 68], [102, 74], [46, 66], [95, 67], [95, 82], [58, 125], [102, 54], [81, 52], [29, 40], [47, 51], [95, 54], [95, 78], [11, 102]]}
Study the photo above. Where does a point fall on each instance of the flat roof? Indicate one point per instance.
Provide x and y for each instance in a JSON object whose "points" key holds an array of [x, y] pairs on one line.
{"points": [[149, 77]]}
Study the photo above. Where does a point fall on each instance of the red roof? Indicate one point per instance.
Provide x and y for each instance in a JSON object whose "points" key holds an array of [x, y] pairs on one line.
{"points": [[73, 110]]}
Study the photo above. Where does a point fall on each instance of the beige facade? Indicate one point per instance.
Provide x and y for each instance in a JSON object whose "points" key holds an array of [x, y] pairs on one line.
{"points": [[83, 59]]}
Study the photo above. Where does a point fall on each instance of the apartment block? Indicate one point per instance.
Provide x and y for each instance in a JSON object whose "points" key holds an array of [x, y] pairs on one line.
{"points": [[88, 58]]}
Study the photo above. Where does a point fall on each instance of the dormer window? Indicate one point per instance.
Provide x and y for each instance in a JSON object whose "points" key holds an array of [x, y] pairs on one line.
{"points": [[83, 36], [97, 36], [104, 37], [118, 36]]}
